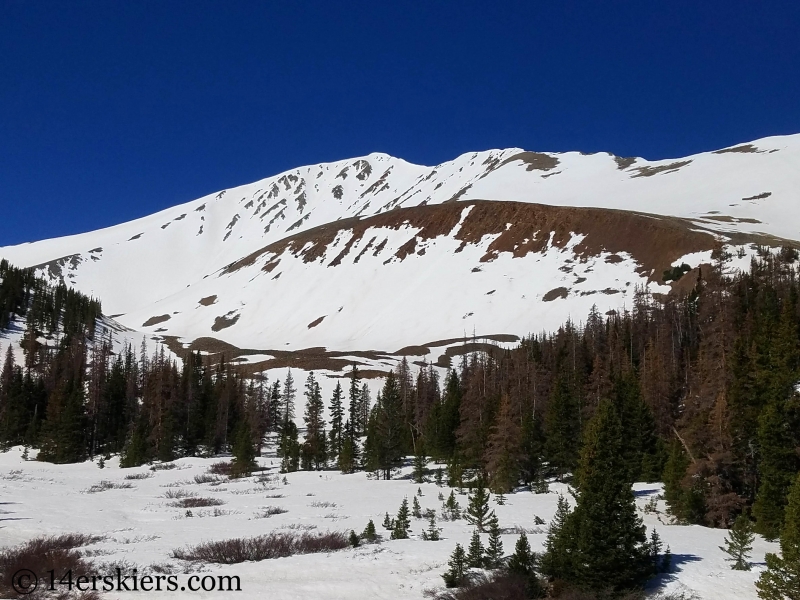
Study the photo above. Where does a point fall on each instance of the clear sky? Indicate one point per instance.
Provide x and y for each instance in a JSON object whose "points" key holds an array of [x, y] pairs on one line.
{"points": [[111, 110]]}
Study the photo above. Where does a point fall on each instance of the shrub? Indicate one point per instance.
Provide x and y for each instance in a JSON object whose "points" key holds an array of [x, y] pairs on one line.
{"points": [[196, 502], [107, 485], [269, 511], [207, 478], [221, 468], [178, 494], [162, 467], [263, 547], [143, 475], [41, 555]]}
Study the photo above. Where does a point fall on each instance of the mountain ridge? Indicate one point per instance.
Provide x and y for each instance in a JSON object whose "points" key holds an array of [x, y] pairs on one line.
{"points": [[369, 218]]}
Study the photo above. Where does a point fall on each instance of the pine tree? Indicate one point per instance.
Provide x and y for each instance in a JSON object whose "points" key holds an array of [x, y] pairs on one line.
{"points": [[455, 575], [475, 552], [287, 400], [337, 422], [244, 452], [402, 523], [776, 470], [503, 452], [739, 543], [522, 561], [387, 522], [432, 533], [557, 559], [420, 461], [562, 426], [494, 550], [355, 541], [478, 508], [781, 580], [369, 531], [315, 424], [347, 457], [609, 537], [416, 509], [451, 510]]}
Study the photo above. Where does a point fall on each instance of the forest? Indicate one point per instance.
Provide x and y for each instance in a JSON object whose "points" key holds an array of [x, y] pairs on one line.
{"points": [[702, 385]]}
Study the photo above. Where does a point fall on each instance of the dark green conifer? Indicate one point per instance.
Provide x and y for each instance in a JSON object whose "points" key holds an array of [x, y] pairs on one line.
{"points": [[475, 552], [776, 470], [455, 575], [781, 580], [494, 550], [478, 509], [739, 543]]}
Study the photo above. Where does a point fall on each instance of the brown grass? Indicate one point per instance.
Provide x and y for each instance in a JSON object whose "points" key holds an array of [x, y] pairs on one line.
{"points": [[263, 547]]}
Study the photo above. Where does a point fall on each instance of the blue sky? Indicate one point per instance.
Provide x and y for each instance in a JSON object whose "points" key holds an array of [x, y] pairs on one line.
{"points": [[113, 110]]}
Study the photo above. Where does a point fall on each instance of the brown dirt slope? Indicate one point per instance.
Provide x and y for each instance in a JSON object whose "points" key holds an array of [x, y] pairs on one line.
{"points": [[653, 241]]}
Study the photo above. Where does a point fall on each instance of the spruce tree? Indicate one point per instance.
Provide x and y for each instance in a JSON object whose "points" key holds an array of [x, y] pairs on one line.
{"points": [[739, 543], [402, 523], [478, 509], [416, 509], [557, 559], [494, 550], [315, 424], [244, 452], [562, 426], [781, 580], [455, 575], [432, 533], [475, 551], [337, 422], [369, 531], [609, 537], [522, 563], [776, 470]]}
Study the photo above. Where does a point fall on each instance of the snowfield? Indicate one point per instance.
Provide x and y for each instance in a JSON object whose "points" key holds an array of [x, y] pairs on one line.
{"points": [[140, 528]]}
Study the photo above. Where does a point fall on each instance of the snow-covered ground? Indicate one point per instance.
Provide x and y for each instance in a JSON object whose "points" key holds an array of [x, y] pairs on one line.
{"points": [[141, 529]]}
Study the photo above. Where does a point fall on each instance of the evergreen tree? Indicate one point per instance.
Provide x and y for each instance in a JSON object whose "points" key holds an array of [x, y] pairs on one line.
{"points": [[287, 401], [416, 509], [503, 452], [315, 424], [494, 550], [244, 453], [776, 469], [455, 575], [739, 543], [347, 457], [475, 552], [357, 425], [674, 473], [420, 461], [369, 531], [609, 538], [781, 580], [522, 563], [478, 508], [337, 422], [402, 523], [562, 425], [557, 559], [355, 541], [432, 533]]}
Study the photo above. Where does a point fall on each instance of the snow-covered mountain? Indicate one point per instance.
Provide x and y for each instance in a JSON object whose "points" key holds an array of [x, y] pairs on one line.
{"points": [[376, 254]]}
